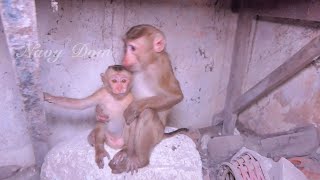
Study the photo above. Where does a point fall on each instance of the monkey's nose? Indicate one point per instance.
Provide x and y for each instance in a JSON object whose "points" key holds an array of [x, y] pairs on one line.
{"points": [[119, 88]]}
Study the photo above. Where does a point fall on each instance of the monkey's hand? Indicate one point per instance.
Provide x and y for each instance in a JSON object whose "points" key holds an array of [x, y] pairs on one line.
{"points": [[119, 162], [48, 97], [132, 112], [100, 116]]}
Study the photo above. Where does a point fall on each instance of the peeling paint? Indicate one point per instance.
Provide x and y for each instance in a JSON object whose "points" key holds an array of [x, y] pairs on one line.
{"points": [[19, 23]]}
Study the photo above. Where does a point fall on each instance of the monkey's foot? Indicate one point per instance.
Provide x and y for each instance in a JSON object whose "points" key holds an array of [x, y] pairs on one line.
{"points": [[133, 164], [99, 158]]}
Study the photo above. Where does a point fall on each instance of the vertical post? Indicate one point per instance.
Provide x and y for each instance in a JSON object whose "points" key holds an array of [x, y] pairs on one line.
{"points": [[237, 73], [20, 26]]}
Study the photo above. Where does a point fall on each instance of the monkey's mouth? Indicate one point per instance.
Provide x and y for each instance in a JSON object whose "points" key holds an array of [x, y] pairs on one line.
{"points": [[120, 95]]}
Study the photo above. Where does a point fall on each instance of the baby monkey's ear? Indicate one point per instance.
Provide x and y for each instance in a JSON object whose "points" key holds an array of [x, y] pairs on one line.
{"points": [[102, 77]]}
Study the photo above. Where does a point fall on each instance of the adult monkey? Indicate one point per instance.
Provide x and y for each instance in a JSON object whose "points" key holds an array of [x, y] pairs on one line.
{"points": [[155, 89]]}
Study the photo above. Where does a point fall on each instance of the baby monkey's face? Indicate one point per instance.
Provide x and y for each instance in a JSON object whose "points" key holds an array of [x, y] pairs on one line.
{"points": [[118, 81]]}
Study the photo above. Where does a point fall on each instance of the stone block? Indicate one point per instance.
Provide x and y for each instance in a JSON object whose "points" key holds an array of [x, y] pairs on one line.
{"points": [[301, 143], [173, 158], [224, 147]]}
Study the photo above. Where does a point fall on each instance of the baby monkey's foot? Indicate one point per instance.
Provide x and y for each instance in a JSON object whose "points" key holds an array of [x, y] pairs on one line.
{"points": [[100, 156]]}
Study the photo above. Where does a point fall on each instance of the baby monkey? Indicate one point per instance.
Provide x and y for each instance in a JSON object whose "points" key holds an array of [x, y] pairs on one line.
{"points": [[112, 99]]}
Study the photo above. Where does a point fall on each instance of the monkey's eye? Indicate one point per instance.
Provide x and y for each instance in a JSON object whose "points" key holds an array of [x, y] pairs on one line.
{"points": [[114, 81], [123, 80], [132, 48]]}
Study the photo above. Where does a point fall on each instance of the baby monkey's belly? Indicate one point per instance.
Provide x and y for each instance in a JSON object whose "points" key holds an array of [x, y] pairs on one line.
{"points": [[114, 142], [114, 133]]}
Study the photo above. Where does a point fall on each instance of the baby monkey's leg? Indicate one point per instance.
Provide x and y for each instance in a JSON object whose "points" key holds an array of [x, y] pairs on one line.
{"points": [[100, 139]]}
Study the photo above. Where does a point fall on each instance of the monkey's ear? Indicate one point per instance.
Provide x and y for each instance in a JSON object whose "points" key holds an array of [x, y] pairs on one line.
{"points": [[102, 77], [159, 43]]}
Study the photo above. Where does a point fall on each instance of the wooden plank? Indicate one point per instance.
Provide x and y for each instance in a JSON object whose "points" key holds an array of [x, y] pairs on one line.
{"points": [[20, 26], [299, 9], [288, 69], [237, 72]]}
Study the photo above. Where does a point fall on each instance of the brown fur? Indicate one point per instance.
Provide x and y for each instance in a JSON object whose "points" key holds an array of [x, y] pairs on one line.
{"points": [[146, 116], [104, 98]]}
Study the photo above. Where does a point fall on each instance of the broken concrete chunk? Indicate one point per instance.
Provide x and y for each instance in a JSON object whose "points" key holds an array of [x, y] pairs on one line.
{"points": [[173, 158], [300, 143], [8, 171], [224, 147]]}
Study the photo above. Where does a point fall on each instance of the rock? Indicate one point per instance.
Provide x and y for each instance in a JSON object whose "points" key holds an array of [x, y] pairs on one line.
{"points": [[25, 173], [224, 147], [301, 143], [173, 158]]}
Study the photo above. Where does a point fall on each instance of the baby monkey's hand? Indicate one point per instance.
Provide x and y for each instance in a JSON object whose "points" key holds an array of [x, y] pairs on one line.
{"points": [[48, 97]]}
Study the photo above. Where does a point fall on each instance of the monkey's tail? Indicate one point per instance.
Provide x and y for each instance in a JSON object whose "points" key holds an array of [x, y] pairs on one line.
{"points": [[178, 131]]}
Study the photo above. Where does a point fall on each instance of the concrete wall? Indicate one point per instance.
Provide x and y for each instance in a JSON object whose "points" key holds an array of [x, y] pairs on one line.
{"points": [[199, 34], [15, 144], [297, 102]]}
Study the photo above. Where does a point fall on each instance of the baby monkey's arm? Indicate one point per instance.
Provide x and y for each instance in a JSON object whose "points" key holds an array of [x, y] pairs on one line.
{"points": [[73, 103]]}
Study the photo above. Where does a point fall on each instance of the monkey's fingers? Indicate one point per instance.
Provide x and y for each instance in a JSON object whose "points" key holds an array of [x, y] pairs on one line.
{"points": [[130, 168], [134, 169], [133, 165], [131, 114], [102, 117], [131, 118], [119, 157], [100, 163], [47, 97], [107, 155]]}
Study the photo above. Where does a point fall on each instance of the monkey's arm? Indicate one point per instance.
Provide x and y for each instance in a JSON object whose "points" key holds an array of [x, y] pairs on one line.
{"points": [[170, 95], [168, 91], [73, 103], [163, 101]]}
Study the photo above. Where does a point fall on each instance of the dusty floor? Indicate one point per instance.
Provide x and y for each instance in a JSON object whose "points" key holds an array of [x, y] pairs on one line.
{"points": [[309, 163]]}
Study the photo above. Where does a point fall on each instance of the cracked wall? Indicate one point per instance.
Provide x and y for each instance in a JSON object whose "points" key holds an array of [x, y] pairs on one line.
{"points": [[295, 103], [199, 35]]}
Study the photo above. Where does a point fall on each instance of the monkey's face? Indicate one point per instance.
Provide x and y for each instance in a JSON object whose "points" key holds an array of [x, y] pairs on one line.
{"points": [[143, 44], [117, 82], [138, 53]]}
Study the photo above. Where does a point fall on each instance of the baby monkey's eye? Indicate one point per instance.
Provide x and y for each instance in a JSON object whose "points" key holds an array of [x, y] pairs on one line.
{"points": [[123, 80], [113, 80]]}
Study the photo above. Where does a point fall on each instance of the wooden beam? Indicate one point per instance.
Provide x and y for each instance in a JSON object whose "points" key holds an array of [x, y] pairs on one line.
{"points": [[298, 9], [288, 69], [237, 72], [20, 26]]}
